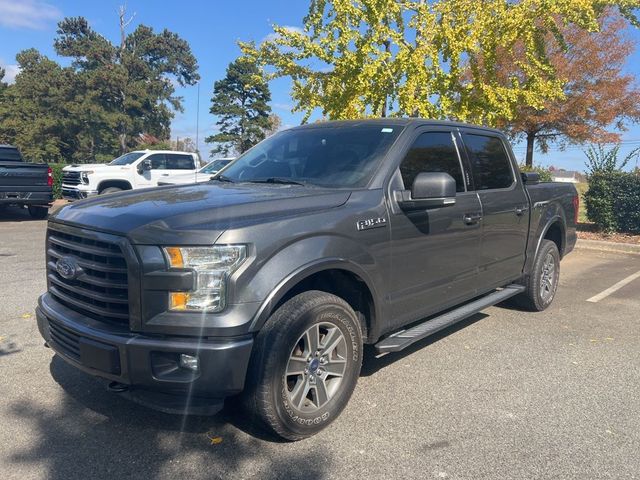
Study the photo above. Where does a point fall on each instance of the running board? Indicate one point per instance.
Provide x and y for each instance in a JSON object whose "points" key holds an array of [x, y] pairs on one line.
{"points": [[404, 338]]}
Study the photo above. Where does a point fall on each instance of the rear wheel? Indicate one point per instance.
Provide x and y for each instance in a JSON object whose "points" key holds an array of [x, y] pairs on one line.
{"points": [[542, 284], [37, 212], [305, 365], [110, 190]]}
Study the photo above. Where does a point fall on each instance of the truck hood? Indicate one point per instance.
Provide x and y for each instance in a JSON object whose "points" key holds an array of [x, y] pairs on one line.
{"points": [[197, 213]]}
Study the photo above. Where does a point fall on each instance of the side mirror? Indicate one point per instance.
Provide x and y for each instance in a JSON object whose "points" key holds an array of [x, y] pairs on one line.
{"points": [[530, 178], [145, 165], [429, 190]]}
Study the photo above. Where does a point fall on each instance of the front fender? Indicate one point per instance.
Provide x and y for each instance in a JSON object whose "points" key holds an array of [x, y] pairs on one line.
{"points": [[291, 265]]}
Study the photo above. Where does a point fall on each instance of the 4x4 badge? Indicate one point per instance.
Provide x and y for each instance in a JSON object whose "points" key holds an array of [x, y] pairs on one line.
{"points": [[371, 223]]}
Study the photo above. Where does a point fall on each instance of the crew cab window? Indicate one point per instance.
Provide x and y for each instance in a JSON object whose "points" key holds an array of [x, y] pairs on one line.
{"points": [[179, 162], [432, 152], [489, 162]]}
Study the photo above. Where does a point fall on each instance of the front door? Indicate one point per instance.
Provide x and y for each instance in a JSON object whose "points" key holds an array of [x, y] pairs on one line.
{"points": [[505, 210], [435, 251]]}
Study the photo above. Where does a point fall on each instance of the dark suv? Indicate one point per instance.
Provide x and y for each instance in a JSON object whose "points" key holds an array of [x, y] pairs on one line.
{"points": [[268, 280]]}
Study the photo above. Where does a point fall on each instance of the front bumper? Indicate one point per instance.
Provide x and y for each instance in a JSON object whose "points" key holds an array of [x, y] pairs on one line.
{"points": [[148, 365], [75, 193]]}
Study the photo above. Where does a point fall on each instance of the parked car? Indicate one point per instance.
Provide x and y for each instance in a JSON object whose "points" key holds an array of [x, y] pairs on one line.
{"points": [[269, 280], [131, 171], [25, 184], [202, 175]]}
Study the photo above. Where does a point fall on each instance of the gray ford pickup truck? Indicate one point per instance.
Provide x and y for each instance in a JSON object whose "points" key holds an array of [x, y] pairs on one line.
{"points": [[265, 282]]}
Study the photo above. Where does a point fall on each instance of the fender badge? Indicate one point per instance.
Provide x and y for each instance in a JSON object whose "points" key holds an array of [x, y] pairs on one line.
{"points": [[371, 223]]}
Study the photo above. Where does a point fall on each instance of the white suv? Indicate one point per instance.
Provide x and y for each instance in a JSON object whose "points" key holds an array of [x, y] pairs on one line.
{"points": [[132, 170]]}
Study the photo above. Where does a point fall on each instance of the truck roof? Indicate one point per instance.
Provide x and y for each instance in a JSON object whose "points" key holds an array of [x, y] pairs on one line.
{"points": [[404, 122], [163, 151]]}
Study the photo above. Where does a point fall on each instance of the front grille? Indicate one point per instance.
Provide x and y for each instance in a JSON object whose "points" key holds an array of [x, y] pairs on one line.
{"points": [[99, 289], [65, 339], [71, 178]]}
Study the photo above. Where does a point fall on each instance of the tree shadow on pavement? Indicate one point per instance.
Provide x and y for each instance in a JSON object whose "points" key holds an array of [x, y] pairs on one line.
{"points": [[92, 433]]}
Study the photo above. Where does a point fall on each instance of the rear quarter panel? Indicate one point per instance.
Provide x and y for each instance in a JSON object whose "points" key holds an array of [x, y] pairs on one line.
{"points": [[551, 202]]}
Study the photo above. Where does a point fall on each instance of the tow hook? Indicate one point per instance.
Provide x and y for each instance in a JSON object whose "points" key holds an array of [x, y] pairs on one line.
{"points": [[117, 387]]}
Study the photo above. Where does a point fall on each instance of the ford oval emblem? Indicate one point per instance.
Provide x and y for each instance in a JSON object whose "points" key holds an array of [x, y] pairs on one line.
{"points": [[67, 268]]}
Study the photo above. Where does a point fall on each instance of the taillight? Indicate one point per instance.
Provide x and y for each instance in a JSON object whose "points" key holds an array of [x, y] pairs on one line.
{"points": [[49, 177], [576, 208]]}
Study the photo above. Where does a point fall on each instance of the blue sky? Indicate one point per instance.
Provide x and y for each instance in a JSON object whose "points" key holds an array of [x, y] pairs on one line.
{"points": [[212, 28]]}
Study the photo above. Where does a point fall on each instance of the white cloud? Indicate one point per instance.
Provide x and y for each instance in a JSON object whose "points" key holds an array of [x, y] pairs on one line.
{"points": [[10, 72], [272, 36], [32, 14]]}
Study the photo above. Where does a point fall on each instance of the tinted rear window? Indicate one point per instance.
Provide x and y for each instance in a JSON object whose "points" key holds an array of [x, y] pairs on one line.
{"points": [[10, 154], [489, 162]]}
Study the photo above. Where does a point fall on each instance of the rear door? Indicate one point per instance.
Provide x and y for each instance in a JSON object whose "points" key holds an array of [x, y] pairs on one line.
{"points": [[434, 251], [505, 208], [179, 164]]}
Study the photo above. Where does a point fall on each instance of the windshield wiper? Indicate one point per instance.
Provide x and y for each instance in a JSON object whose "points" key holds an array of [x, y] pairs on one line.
{"points": [[280, 181]]}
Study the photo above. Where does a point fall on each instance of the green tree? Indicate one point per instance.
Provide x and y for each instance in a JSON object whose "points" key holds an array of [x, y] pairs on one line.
{"points": [[241, 103], [129, 83], [34, 114], [437, 59]]}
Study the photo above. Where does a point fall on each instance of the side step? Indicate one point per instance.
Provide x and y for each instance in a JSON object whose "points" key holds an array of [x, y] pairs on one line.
{"points": [[404, 338]]}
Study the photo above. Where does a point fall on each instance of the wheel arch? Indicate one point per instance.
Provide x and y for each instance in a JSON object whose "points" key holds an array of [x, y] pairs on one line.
{"points": [[336, 276], [123, 184]]}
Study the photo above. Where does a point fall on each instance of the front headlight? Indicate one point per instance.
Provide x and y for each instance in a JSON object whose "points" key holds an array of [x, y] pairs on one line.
{"points": [[84, 176], [212, 265]]}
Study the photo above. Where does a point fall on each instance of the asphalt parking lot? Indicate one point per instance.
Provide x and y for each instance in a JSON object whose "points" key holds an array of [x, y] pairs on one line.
{"points": [[506, 394]]}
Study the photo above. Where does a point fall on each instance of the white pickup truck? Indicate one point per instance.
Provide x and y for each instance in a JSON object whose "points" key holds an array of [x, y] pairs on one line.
{"points": [[133, 170]]}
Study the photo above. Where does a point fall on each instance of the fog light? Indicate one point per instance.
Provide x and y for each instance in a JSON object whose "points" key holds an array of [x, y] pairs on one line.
{"points": [[190, 362]]}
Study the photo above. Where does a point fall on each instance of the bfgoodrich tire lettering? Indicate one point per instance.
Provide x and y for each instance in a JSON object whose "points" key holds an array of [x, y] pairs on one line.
{"points": [[287, 370]]}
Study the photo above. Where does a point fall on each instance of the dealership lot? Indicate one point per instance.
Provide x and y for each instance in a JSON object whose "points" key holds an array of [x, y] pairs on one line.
{"points": [[506, 394]]}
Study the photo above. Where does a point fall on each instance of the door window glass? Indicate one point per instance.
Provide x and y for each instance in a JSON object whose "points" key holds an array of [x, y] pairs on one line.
{"points": [[179, 162], [489, 162], [158, 161], [432, 152]]}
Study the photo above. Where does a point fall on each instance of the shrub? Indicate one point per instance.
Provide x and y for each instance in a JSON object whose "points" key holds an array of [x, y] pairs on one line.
{"points": [[56, 169], [613, 200], [626, 202]]}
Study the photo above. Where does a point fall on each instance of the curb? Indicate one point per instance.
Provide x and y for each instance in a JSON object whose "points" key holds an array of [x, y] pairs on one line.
{"points": [[602, 245]]}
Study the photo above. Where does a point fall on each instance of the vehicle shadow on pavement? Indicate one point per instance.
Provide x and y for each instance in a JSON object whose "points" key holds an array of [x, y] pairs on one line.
{"points": [[12, 214], [372, 363], [93, 433]]}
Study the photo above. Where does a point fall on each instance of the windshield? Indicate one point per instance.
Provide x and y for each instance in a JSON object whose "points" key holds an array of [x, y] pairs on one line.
{"points": [[10, 154], [214, 166], [127, 158], [336, 156]]}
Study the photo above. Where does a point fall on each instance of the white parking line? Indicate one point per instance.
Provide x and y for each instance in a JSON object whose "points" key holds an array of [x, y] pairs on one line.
{"points": [[614, 288]]}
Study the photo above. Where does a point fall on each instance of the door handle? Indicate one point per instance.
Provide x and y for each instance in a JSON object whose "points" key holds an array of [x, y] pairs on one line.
{"points": [[471, 218], [521, 210]]}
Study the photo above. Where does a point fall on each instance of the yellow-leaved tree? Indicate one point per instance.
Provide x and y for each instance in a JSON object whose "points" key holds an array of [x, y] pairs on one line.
{"points": [[435, 59]]}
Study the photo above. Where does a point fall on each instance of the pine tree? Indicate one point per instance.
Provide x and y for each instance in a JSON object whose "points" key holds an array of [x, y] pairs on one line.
{"points": [[240, 101]]}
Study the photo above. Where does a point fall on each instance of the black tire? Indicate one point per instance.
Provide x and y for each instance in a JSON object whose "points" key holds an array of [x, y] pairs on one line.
{"points": [[37, 212], [270, 392], [532, 298], [110, 190]]}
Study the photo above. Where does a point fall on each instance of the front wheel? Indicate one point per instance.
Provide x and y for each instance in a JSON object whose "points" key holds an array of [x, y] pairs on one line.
{"points": [[305, 365], [542, 284]]}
